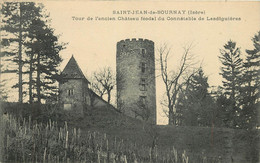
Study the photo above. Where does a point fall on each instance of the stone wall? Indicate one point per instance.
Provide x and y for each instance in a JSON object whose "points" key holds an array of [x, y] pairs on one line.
{"points": [[135, 66], [78, 97]]}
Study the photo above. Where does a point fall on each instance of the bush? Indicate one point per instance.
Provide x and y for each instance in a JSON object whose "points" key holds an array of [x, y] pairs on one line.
{"points": [[37, 112]]}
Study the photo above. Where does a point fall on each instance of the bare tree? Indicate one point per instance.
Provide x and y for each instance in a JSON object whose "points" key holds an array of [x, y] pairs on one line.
{"points": [[104, 82], [97, 87], [174, 80]]}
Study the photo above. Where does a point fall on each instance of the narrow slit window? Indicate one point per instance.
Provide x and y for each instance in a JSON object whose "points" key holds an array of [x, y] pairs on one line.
{"points": [[143, 51], [143, 85], [67, 106], [70, 92], [142, 100], [143, 67]]}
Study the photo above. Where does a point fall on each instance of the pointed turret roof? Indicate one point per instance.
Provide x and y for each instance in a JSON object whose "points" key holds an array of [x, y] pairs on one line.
{"points": [[72, 70]]}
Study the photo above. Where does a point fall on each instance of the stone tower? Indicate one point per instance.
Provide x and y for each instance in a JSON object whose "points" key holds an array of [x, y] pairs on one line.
{"points": [[135, 71]]}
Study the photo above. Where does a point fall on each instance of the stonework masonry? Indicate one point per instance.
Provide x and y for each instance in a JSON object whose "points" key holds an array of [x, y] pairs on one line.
{"points": [[135, 70], [74, 94]]}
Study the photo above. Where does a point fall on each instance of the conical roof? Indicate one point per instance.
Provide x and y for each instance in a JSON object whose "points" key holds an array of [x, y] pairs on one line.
{"points": [[72, 70]]}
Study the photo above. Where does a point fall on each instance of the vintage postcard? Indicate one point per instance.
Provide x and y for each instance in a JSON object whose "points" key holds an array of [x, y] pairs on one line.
{"points": [[130, 81]]}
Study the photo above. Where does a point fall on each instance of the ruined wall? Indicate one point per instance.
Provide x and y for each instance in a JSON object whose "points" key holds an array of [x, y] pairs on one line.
{"points": [[135, 66]]}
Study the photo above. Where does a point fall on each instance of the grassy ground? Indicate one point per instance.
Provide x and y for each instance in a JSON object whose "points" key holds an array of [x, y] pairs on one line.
{"points": [[226, 144]]}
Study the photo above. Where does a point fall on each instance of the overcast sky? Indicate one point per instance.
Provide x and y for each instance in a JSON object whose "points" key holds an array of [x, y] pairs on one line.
{"points": [[93, 43]]}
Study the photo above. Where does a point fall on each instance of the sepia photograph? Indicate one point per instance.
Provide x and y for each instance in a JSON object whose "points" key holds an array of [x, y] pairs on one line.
{"points": [[129, 81]]}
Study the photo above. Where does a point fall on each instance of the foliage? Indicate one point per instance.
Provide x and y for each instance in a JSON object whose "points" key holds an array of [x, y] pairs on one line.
{"points": [[251, 85], [231, 72], [44, 60], [222, 112], [38, 112], [27, 31], [17, 16], [195, 103]]}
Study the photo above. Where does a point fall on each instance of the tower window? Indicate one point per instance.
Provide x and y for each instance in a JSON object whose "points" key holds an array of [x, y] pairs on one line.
{"points": [[143, 67], [70, 92], [143, 52], [142, 100], [67, 106], [143, 85]]}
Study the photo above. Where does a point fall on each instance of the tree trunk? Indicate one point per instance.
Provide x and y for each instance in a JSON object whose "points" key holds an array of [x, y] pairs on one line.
{"points": [[20, 85], [38, 80], [30, 80], [108, 96], [171, 118], [233, 104], [172, 110]]}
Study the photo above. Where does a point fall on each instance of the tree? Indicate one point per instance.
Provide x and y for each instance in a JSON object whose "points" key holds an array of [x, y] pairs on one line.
{"points": [[250, 86], [104, 82], [195, 103], [97, 87], [174, 80], [36, 39], [44, 46], [17, 16], [231, 72], [222, 113], [3, 94]]}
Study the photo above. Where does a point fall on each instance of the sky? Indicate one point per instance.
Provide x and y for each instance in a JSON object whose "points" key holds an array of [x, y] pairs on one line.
{"points": [[93, 43]]}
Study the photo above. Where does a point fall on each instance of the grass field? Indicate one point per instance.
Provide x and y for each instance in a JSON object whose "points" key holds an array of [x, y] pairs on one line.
{"points": [[104, 135]]}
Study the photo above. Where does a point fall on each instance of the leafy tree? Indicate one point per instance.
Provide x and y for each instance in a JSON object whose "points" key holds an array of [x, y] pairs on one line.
{"points": [[231, 72], [250, 87], [222, 109], [195, 105], [28, 26], [17, 16], [44, 60]]}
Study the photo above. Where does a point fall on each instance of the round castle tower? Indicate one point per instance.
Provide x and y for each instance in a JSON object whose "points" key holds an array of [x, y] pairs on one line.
{"points": [[135, 71]]}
